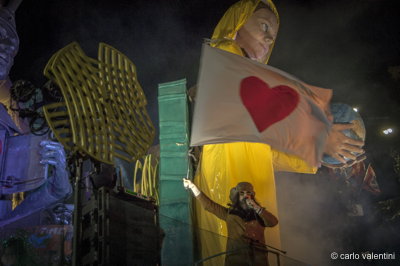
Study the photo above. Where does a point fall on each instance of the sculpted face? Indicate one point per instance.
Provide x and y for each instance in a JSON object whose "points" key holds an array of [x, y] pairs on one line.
{"points": [[8, 42], [258, 34]]}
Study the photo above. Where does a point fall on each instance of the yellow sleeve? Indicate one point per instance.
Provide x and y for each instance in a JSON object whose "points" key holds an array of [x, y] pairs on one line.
{"points": [[284, 162]]}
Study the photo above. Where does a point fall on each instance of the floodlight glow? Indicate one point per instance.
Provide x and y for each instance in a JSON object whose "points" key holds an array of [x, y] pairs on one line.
{"points": [[387, 131], [355, 109]]}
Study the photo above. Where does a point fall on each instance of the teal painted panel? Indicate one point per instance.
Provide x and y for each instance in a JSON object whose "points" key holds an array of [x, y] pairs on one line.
{"points": [[172, 191], [174, 164], [177, 87]]}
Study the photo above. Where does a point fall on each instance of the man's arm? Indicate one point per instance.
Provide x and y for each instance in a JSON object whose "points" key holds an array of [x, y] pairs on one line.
{"points": [[208, 204], [268, 218]]}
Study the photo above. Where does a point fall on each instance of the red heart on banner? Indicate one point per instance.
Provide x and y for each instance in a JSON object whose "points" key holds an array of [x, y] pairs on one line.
{"points": [[266, 105]]}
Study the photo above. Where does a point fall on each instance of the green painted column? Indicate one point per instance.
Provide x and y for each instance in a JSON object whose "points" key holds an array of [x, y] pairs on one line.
{"points": [[174, 165]]}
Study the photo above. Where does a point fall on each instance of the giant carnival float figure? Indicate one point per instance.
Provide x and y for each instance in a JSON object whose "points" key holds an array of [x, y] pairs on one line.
{"points": [[249, 29], [109, 126], [29, 164]]}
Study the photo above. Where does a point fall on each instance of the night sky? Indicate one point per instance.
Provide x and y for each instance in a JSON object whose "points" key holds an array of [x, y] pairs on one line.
{"points": [[352, 47], [348, 46]]}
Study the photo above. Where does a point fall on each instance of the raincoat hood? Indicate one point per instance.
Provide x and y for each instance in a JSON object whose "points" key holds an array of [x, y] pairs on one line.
{"points": [[234, 18]]}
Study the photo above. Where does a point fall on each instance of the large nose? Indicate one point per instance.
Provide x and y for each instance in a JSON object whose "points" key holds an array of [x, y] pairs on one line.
{"points": [[269, 39]]}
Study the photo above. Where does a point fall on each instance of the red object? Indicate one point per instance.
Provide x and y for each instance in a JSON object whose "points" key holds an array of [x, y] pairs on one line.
{"points": [[370, 182], [266, 105]]}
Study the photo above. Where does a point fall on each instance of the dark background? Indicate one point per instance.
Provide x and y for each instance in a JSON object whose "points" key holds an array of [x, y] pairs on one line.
{"points": [[352, 47], [348, 46]]}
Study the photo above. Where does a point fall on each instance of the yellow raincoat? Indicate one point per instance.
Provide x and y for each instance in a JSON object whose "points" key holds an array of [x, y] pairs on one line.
{"points": [[222, 166]]}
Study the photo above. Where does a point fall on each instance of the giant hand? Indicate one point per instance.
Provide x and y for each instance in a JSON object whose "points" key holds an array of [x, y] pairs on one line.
{"points": [[56, 187], [53, 154], [338, 145]]}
